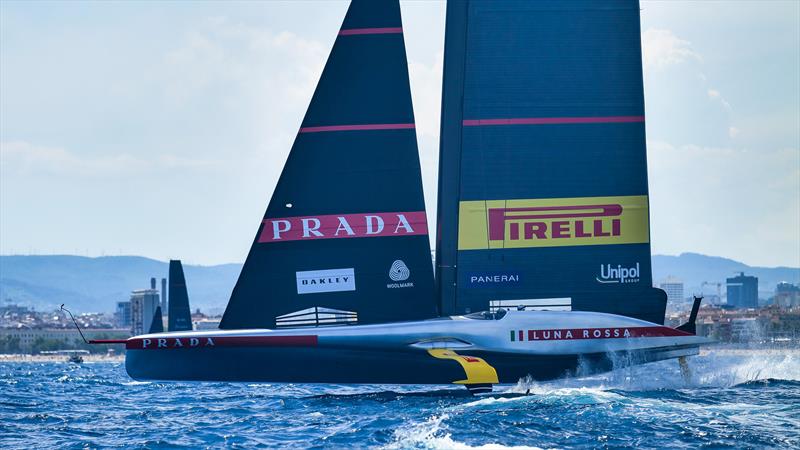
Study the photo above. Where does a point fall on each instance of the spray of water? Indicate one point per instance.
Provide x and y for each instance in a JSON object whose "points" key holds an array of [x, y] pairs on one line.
{"points": [[722, 368]]}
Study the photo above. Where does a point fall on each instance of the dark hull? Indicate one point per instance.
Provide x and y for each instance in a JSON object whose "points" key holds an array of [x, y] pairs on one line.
{"points": [[323, 365]]}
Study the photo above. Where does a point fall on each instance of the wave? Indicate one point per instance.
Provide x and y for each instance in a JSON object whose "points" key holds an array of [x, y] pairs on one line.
{"points": [[433, 434], [719, 369], [769, 382]]}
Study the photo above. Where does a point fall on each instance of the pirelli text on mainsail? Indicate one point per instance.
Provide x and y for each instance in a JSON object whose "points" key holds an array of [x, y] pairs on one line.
{"points": [[543, 168]]}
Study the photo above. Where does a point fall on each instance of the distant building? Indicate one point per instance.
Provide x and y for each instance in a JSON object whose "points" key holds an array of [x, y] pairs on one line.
{"points": [[742, 291], [123, 314], [143, 307], [674, 289], [787, 295], [206, 324], [26, 339]]}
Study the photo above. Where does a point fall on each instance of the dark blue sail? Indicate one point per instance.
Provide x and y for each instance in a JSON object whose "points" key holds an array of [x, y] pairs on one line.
{"points": [[543, 196], [344, 239], [179, 315], [157, 325]]}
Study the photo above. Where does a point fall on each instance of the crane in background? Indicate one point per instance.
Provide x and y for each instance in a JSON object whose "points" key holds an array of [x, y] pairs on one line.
{"points": [[719, 290]]}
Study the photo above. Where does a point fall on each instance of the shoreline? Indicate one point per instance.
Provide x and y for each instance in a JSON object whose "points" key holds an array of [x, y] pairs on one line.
{"points": [[93, 358], [16, 357]]}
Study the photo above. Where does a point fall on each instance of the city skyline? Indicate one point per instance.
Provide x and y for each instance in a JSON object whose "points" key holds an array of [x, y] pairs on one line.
{"points": [[165, 138]]}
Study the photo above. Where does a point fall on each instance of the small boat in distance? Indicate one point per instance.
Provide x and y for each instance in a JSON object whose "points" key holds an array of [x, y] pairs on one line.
{"points": [[73, 356], [542, 253]]}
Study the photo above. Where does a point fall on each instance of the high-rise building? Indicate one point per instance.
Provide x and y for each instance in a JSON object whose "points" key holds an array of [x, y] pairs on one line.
{"points": [[674, 289], [742, 291], [787, 295], [123, 314], [143, 307]]}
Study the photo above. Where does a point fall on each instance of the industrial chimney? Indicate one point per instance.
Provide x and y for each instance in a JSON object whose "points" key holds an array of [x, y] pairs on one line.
{"points": [[152, 283], [164, 294]]}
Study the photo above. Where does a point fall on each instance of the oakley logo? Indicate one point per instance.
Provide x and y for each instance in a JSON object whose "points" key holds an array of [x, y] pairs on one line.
{"points": [[318, 281]]}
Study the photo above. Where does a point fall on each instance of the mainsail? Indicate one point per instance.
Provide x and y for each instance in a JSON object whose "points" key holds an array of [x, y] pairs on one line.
{"points": [[543, 196], [344, 238], [179, 316]]}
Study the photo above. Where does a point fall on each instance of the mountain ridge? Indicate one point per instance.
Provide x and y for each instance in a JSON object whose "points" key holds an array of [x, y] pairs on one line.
{"points": [[95, 284]]}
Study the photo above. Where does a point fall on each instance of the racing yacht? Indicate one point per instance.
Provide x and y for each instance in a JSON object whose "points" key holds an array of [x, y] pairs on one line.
{"points": [[542, 262]]}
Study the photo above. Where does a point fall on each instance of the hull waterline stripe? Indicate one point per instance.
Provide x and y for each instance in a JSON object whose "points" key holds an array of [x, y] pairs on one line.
{"points": [[356, 31], [364, 127], [168, 343], [597, 333], [551, 120]]}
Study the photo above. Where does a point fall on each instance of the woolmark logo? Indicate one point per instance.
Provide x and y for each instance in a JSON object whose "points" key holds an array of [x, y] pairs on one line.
{"points": [[618, 274], [336, 226], [399, 271], [333, 280]]}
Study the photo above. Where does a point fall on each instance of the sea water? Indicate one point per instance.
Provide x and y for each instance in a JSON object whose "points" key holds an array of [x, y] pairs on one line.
{"points": [[733, 399]]}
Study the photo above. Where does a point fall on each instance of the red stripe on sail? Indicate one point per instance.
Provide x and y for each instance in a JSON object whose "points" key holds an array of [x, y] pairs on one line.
{"points": [[355, 31], [376, 126], [338, 226], [551, 120]]}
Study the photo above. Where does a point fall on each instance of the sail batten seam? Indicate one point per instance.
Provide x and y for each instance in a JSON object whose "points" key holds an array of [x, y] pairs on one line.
{"points": [[361, 31], [552, 120], [361, 127]]}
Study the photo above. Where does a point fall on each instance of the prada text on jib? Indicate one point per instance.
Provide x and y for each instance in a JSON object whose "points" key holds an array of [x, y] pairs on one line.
{"points": [[339, 226]]}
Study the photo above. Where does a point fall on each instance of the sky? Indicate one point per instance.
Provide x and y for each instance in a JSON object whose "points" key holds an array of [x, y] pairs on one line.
{"points": [[160, 128]]}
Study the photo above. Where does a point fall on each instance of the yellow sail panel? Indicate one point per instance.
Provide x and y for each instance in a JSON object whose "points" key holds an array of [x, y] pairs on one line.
{"points": [[553, 222]]}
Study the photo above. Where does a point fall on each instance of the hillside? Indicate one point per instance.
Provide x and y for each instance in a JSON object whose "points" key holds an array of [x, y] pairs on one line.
{"points": [[694, 268], [95, 284]]}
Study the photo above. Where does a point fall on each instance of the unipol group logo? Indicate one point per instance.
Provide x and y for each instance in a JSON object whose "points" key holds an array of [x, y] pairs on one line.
{"points": [[333, 280], [337, 226], [618, 274], [399, 273], [552, 222]]}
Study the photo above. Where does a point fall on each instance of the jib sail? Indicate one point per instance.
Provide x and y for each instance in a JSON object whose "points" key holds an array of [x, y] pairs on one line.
{"points": [[543, 173], [344, 239], [179, 316], [157, 325]]}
